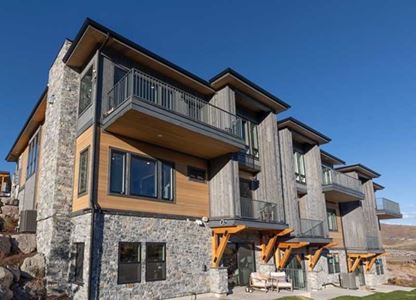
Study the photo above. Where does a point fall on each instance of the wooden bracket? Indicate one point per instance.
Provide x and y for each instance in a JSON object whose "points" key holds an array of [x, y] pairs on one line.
{"points": [[314, 258], [267, 249], [369, 263], [220, 238], [282, 260], [354, 260]]}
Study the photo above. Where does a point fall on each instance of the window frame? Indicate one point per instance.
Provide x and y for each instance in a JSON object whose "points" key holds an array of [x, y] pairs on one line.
{"points": [[79, 269], [299, 167], [164, 261], [155, 181], [332, 213], [139, 262], [379, 267], [87, 69], [33, 155], [87, 151], [127, 177], [333, 262]]}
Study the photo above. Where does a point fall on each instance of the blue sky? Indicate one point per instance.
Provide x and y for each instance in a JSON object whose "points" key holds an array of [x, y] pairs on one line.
{"points": [[347, 68]]}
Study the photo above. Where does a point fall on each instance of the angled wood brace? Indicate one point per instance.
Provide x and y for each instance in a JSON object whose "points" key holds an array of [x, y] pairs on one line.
{"points": [[282, 260], [268, 248], [220, 238], [354, 260], [369, 263], [314, 258]]}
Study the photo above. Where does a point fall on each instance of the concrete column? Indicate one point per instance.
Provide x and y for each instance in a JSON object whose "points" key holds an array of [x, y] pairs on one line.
{"points": [[314, 202], [289, 180], [56, 170]]}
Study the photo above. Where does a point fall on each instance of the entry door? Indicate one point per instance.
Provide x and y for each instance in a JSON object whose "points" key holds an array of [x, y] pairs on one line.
{"points": [[246, 262], [295, 270], [359, 272]]}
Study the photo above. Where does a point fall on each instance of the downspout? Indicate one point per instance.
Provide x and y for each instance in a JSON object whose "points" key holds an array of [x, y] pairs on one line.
{"points": [[95, 150]]}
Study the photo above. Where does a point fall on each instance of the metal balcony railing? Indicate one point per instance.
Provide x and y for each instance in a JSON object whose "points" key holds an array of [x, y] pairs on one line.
{"points": [[151, 90], [248, 160], [388, 206], [311, 228], [259, 211], [330, 176]]}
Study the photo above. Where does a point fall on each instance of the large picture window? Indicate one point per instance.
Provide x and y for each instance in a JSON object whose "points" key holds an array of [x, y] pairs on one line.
{"points": [[79, 262], [250, 137], [300, 173], [83, 171], [333, 263], [129, 262], [145, 177], [155, 261], [85, 95], [33, 156], [332, 219]]}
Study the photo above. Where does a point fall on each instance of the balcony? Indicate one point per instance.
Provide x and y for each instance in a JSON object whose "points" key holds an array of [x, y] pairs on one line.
{"points": [[145, 108], [311, 228], [369, 244], [247, 162], [339, 187], [261, 211], [372, 243], [387, 209]]}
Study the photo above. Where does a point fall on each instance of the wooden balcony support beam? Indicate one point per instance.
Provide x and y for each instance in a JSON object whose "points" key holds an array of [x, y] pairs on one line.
{"points": [[286, 248], [314, 258], [370, 261], [268, 248], [220, 238]]}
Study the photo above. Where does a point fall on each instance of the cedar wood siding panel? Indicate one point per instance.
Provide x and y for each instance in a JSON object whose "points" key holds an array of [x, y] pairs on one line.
{"points": [[191, 197], [83, 141]]}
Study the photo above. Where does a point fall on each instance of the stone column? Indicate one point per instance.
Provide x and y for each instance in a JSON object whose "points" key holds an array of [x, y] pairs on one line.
{"points": [[56, 172], [218, 281]]}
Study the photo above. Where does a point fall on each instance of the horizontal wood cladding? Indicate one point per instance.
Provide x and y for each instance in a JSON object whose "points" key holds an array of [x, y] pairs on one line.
{"points": [[83, 142], [337, 236], [191, 197]]}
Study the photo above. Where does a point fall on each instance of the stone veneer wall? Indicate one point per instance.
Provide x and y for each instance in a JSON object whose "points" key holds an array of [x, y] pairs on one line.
{"points": [[80, 233], [56, 170], [188, 252], [371, 277]]}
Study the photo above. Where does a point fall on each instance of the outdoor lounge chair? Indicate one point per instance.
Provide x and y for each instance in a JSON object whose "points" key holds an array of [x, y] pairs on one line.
{"points": [[259, 281], [279, 281]]}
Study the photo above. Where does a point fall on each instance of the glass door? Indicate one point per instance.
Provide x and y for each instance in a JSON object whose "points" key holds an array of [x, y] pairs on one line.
{"points": [[295, 271], [359, 272], [246, 262]]}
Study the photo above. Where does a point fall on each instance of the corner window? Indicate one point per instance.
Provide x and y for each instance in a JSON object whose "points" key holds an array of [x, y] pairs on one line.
{"points": [[83, 171], [129, 262], [332, 219], [33, 156], [79, 262], [155, 261], [145, 177], [85, 95], [300, 173], [333, 263], [197, 174]]}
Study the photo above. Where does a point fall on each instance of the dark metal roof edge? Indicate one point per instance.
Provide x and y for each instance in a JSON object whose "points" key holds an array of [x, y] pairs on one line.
{"points": [[27, 122], [252, 84], [98, 26], [374, 173], [379, 186], [299, 123], [333, 157]]}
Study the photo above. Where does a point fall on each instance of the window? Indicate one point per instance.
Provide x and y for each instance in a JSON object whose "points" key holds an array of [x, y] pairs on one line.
{"points": [[333, 263], [332, 219], [85, 95], [197, 174], [33, 156], [379, 266], [300, 173], [129, 262], [117, 172], [144, 177], [250, 137], [155, 261], [79, 262], [83, 172]]}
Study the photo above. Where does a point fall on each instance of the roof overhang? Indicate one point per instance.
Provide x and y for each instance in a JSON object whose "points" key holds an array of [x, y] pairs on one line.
{"points": [[302, 133], [229, 77], [331, 159], [377, 187], [93, 35], [361, 170], [36, 117]]}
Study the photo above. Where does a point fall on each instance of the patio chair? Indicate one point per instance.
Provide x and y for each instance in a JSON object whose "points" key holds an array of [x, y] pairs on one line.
{"points": [[259, 281], [280, 281]]}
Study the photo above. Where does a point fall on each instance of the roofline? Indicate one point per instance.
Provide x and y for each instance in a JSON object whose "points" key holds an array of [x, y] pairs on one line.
{"points": [[27, 122], [333, 157], [291, 119], [379, 186], [111, 33], [250, 83], [360, 166]]}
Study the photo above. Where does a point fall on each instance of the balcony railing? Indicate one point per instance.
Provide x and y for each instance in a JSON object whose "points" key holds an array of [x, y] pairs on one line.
{"points": [[153, 91], [259, 211], [372, 243], [330, 176], [311, 228], [249, 161], [388, 206]]}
